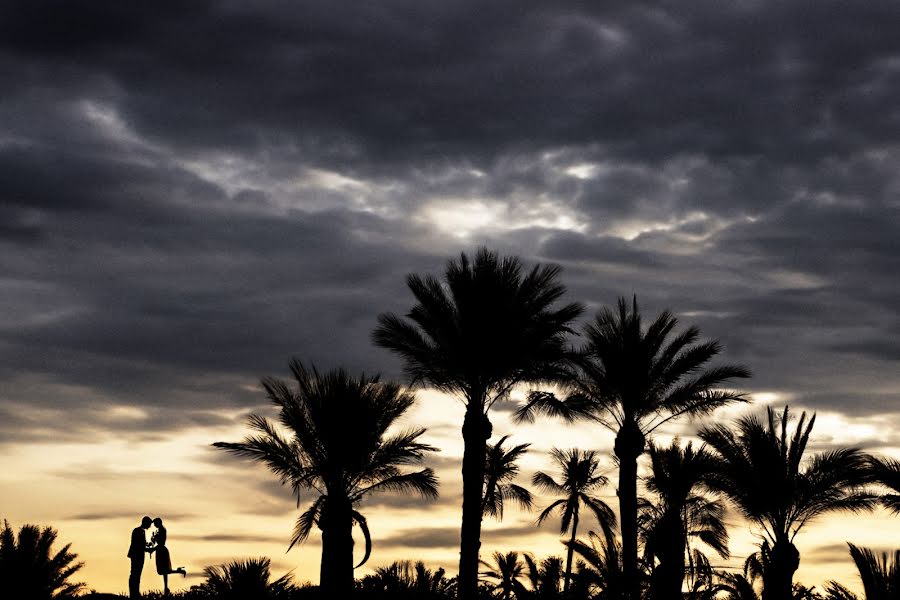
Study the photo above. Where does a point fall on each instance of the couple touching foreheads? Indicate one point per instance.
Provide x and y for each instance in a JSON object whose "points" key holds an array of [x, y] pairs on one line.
{"points": [[139, 546]]}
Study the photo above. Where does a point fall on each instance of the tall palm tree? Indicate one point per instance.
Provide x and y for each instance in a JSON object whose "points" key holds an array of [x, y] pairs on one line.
{"points": [[500, 470], [506, 571], [579, 478], [761, 469], [886, 471], [681, 514], [249, 578], [631, 381], [486, 328], [338, 448], [29, 568]]}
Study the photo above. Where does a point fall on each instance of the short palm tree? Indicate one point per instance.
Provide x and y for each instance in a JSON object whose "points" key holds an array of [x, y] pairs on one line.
{"points": [[340, 449], [736, 586], [682, 514], [404, 579], [761, 469], [544, 577], [500, 470], [505, 573], [249, 578], [579, 478], [29, 568], [886, 471], [487, 327], [631, 381], [600, 573]]}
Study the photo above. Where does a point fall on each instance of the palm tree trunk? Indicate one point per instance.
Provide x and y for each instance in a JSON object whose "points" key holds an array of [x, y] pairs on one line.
{"points": [[569, 557], [778, 576], [336, 575], [476, 431], [629, 446], [668, 577]]}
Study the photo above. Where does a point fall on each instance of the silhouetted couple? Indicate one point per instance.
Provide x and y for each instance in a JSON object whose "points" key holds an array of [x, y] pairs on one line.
{"points": [[157, 544]]}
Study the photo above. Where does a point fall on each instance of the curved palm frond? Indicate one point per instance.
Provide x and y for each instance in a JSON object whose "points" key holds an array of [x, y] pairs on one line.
{"points": [[886, 472], [306, 520], [364, 527]]}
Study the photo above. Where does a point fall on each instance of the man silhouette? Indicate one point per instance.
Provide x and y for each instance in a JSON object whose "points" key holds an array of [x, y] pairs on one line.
{"points": [[136, 553]]}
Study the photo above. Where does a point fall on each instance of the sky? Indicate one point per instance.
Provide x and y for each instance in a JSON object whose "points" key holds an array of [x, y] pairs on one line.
{"points": [[191, 193]]}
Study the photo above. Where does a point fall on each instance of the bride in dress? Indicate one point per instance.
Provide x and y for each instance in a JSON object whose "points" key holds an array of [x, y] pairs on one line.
{"points": [[163, 560]]}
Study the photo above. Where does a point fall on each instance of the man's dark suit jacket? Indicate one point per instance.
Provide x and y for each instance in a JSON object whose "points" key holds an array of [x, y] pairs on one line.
{"points": [[138, 544]]}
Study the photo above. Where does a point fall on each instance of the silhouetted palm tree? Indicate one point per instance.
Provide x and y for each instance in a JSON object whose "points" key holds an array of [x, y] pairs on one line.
{"points": [[631, 381], [763, 471], [836, 591], [737, 586], [506, 571], [544, 577], [681, 514], [600, 573], [579, 478], [886, 471], [488, 327], [338, 447], [244, 579], [29, 568], [880, 575], [404, 579], [500, 470]]}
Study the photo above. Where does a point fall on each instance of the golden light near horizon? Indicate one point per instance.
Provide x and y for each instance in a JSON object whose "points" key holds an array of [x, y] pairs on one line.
{"points": [[218, 508]]}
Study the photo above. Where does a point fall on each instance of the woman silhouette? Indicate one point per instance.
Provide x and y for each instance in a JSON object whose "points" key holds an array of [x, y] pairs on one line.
{"points": [[163, 560]]}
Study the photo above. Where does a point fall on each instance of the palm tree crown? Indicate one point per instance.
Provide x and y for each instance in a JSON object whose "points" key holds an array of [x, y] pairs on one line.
{"points": [[763, 471], [580, 477], [489, 326], [30, 569], [500, 470], [339, 447]]}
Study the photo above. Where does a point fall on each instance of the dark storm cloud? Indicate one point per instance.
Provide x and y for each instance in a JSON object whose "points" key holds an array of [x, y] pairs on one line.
{"points": [[430, 80], [191, 193]]}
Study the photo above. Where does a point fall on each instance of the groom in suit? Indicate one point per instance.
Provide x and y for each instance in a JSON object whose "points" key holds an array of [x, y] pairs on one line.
{"points": [[136, 553]]}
